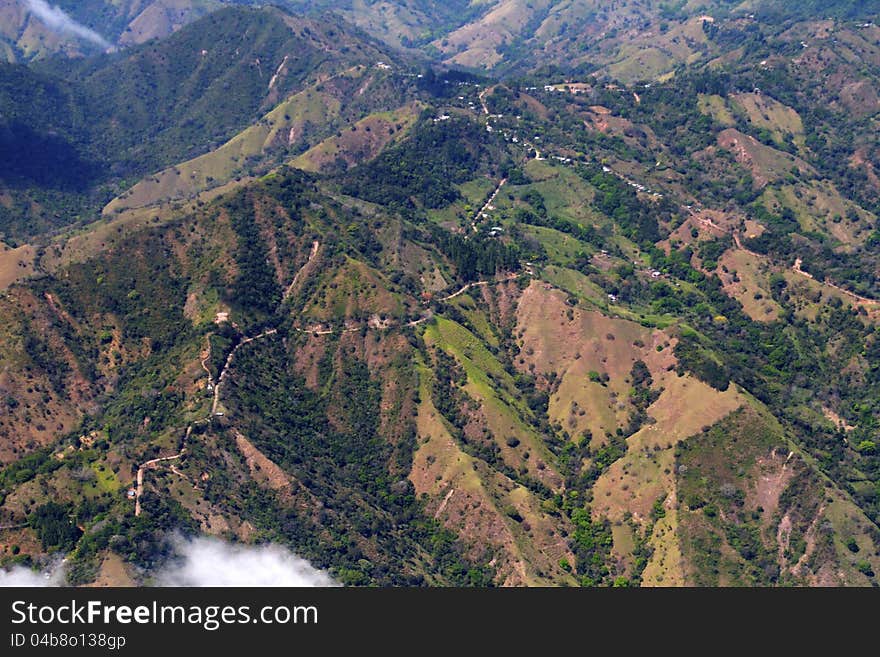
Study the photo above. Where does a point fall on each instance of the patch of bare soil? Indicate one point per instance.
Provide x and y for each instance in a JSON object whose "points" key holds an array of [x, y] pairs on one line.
{"points": [[307, 357], [773, 477], [112, 572], [262, 468]]}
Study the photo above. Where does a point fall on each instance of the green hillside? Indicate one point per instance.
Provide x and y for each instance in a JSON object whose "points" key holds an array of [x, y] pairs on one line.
{"points": [[107, 121], [610, 319]]}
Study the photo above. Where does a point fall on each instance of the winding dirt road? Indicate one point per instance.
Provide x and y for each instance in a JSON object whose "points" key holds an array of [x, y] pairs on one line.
{"points": [[482, 97], [480, 212], [463, 290], [204, 362], [226, 365], [215, 402], [139, 489], [865, 301], [140, 477], [315, 330]]}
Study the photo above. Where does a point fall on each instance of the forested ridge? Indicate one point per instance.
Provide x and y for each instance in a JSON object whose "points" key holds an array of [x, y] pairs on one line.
{"points": [[567, 322]]}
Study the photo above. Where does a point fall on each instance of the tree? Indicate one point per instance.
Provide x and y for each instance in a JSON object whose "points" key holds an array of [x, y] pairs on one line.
{"points": [[54, 526]]}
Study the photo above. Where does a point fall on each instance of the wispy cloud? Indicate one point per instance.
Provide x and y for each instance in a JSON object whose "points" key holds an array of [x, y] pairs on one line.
{"points": [[204, 562], [212, 562], [21, 576], [58, 20]]}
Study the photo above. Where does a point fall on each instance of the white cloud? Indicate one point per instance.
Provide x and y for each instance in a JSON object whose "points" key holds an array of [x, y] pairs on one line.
{"points": [[205, 562], [212, 562], [21, 576], [58, 20]]}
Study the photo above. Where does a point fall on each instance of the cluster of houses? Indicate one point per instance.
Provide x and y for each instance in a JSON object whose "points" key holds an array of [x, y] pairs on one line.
{"points": [[638, 186]]}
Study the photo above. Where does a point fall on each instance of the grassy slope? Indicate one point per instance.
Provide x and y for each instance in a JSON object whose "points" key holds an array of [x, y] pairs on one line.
{"points": [[232, 158], [210, 81], [361, 141], [747, 495]]}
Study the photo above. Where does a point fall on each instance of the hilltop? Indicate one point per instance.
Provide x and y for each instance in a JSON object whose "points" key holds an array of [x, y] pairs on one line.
{"points": [[608, 320], [103, 122]]}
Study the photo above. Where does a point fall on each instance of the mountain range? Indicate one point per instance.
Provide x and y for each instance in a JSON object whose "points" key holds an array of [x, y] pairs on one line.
{"points": [[473, 293]]}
